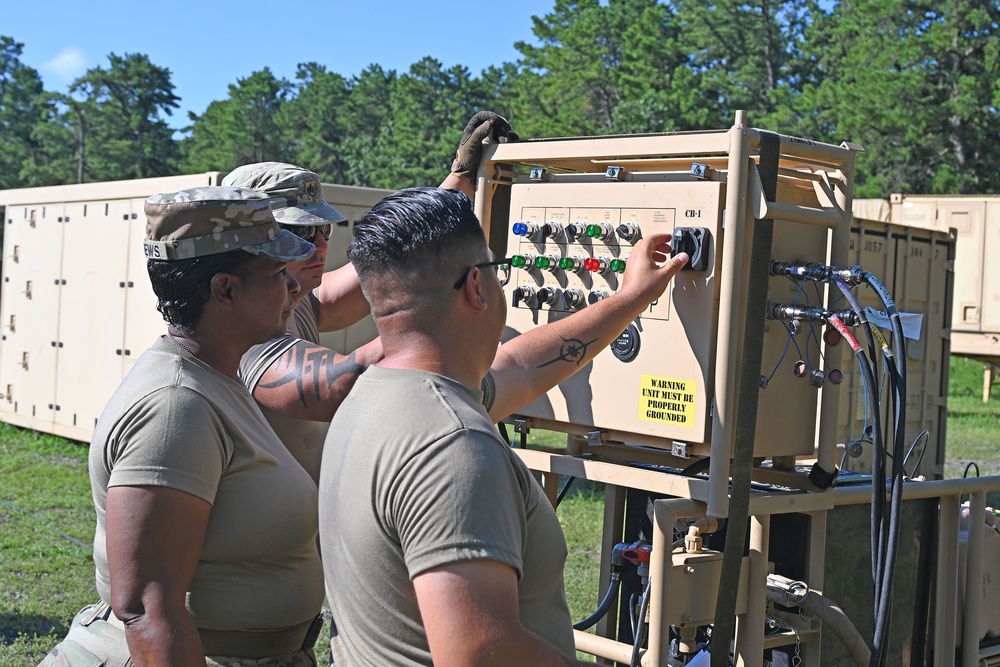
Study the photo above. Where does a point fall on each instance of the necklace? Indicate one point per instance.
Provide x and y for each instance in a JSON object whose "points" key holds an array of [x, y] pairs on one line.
{"points": [[181, 345]]}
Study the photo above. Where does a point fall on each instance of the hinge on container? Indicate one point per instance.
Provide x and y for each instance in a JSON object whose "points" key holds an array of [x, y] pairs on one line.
{"points": [[701, 170], [596, 438], [538, 174], [615, 173]]}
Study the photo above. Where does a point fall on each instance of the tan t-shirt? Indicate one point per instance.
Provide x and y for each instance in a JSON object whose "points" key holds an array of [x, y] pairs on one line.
{"points": [[415, 476], [303, 438], [178, 423]]}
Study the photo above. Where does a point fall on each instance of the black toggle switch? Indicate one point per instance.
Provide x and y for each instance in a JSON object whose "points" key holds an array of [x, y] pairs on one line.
{"points": [[695, 241]]}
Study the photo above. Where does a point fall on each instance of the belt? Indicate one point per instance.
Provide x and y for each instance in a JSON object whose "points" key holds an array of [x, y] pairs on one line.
{"points": [[261, 644], [238, 643]]}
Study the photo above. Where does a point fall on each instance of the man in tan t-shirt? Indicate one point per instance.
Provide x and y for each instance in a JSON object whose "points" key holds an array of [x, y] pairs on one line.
{"points": [[439, 546]]}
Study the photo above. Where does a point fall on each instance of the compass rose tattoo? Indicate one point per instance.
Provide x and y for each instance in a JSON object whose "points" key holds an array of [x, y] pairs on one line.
{"points": [[573, 349]]}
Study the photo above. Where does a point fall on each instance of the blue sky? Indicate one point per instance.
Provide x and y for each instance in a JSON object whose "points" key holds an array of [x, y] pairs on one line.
{"points": [[208, 45]]}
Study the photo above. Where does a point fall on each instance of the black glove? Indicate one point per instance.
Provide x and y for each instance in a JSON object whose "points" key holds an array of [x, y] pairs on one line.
{"points": [[470, 149]]}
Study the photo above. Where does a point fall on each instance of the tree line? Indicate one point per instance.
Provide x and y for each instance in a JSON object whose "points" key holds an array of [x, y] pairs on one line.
{"points": [[916, 82]]}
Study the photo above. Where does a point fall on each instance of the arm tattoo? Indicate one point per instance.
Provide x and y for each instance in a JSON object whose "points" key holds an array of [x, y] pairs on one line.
{"points": [[313, 363], [573, 349], [489, 389]]}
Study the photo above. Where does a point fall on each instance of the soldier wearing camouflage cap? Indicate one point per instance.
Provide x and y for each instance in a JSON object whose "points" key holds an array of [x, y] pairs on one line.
{"points": [[296, 193], [298, 382], [329, 300], [207, 221], [206, 525]]}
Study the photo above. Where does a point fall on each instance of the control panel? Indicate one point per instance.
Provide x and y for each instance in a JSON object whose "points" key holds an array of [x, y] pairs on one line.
{"points": [[570, 245]]}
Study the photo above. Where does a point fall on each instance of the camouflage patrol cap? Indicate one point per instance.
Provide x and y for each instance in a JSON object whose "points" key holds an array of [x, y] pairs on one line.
{"points": [[211, 220], [296, 193]]}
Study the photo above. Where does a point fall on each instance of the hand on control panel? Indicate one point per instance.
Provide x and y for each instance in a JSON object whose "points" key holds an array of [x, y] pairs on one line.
{"points": [[650, 267]]}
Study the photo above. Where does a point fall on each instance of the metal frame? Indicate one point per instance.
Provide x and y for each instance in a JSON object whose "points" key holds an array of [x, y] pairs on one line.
{"points": [[825, 172], [750, 643]]}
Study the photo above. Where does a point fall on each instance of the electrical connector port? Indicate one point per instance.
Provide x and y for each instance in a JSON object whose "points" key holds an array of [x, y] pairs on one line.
{"points": [[695, 241]]}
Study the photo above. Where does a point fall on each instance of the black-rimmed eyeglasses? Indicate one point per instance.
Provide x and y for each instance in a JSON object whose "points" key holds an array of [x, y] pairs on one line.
{"points": [[502, 267], [308, 232]]}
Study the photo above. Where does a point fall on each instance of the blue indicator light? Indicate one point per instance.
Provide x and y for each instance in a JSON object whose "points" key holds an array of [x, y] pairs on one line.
{"points": [[520, 229]]}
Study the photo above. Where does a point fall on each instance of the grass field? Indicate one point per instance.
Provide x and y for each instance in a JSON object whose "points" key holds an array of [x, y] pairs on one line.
{"points": [[46, 521], [973, 426]]}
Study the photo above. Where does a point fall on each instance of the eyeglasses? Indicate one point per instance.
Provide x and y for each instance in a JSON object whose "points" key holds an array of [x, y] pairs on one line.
{"points": [[502, 267], [308, 232]]}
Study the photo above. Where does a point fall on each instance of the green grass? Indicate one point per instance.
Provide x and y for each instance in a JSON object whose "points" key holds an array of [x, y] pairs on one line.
{"points": [[973, 426], [46, 529], [47, 521]]}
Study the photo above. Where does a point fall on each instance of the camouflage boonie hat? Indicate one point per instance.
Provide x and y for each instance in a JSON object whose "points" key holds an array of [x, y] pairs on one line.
{"points": [[211, 220], [296, 194]]}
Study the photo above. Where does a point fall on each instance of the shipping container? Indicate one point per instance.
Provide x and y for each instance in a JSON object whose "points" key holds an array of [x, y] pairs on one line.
{"points": [[975, 330], [76, 305]]}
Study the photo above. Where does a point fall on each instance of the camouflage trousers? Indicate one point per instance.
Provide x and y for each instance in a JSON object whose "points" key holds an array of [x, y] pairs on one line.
{"points": [[97, 643], [90, 643]]}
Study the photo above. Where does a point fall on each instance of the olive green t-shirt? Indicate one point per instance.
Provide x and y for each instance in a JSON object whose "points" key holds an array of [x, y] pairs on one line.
{"points": [[415, 477], [178, 423]]}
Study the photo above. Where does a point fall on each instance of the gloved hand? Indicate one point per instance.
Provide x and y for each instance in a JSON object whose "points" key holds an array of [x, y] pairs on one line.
{"points": [[470, 148]]}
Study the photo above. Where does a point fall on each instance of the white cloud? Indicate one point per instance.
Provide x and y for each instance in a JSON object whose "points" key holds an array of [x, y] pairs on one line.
{"points": [[67, 65]]}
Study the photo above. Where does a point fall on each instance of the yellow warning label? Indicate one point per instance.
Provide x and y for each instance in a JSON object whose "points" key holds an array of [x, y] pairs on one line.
{"points": [[667, 400]]}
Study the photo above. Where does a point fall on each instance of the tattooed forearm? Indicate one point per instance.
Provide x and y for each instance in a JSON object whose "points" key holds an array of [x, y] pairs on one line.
{"points": [[321, 366], [312, 370], [573, 349]]}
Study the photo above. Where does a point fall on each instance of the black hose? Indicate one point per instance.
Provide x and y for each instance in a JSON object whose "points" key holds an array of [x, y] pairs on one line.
{"points": [[609, 599], [878, 462], [920, 457], [878, 474], [631, 612], [897, 376], [565, 489], [865, 324], [890, 309], [640, 634], [883, 608]]}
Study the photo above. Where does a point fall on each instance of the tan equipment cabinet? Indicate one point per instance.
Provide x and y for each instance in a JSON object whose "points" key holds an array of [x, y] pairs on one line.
{"points": [[76, 304], [669, 382]]}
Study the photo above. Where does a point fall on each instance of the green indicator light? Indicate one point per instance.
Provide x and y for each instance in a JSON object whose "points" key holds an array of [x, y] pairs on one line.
{"points": [[566, 264], [517, 261], [593, 231], [618, 265], [542, 262]]}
